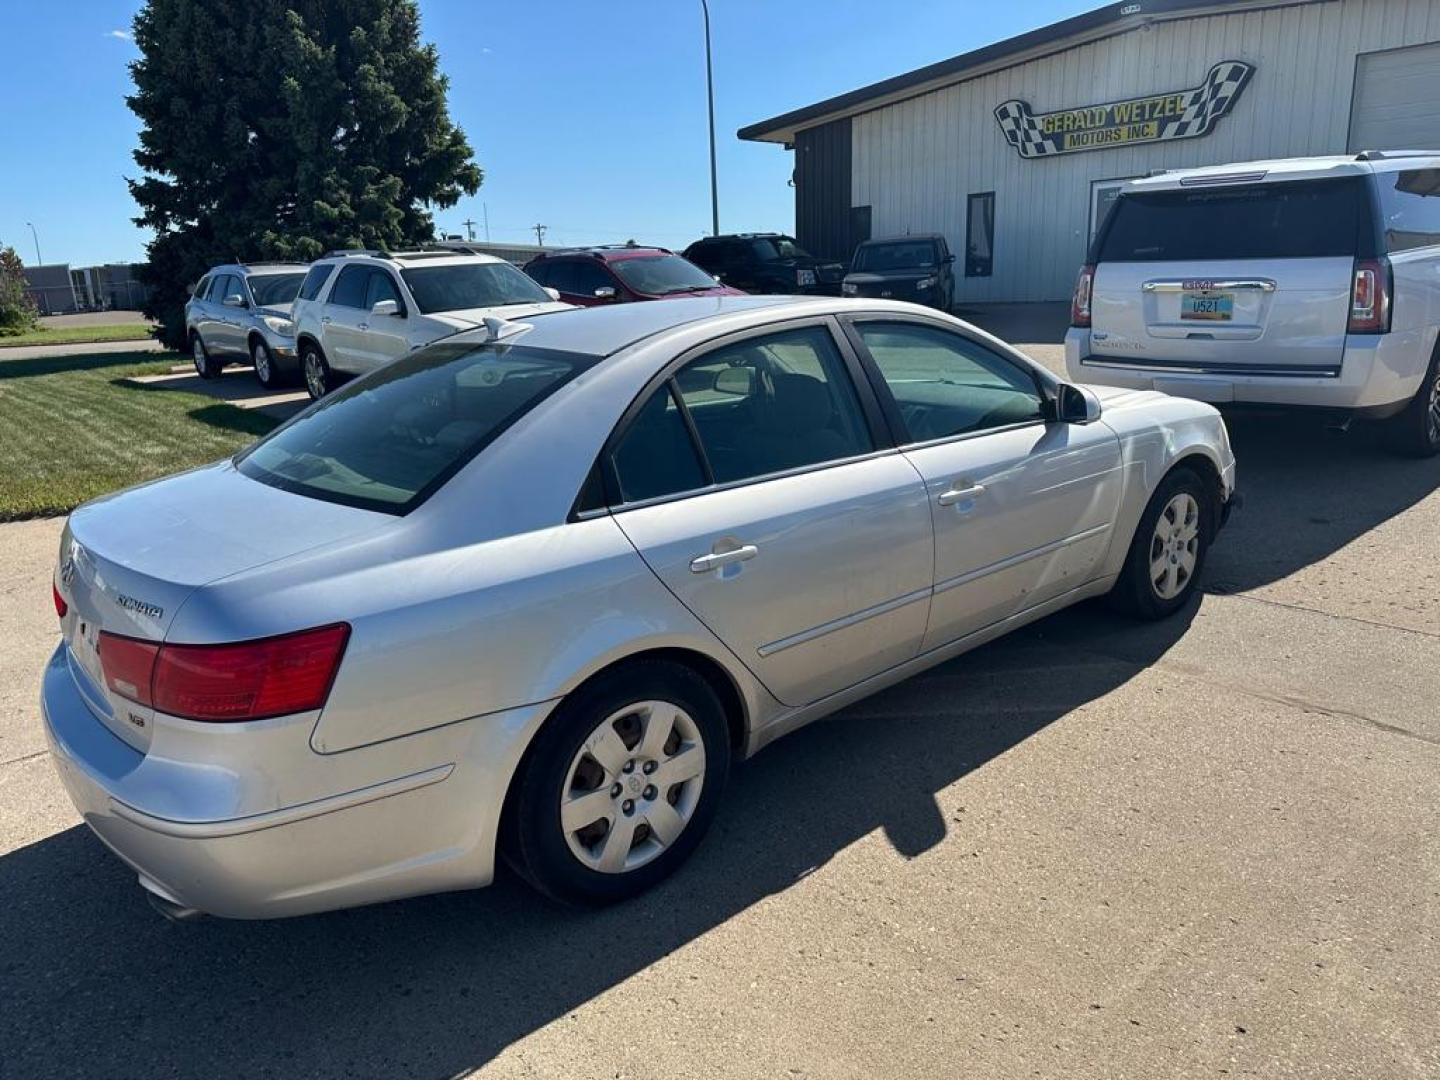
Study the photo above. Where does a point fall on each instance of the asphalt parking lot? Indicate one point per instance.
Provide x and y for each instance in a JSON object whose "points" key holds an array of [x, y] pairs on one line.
{"points": [[1208, 846]]}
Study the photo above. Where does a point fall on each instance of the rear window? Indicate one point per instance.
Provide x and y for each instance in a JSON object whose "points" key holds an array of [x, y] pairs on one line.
{"points": [[389, 441], [1295, 220]]}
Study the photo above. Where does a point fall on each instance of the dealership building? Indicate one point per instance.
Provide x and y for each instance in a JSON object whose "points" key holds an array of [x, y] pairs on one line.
{"points": [[1015, 150]]}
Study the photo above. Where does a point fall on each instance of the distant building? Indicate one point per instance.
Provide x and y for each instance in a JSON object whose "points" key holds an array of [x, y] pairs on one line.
{"points": [[1015, 151], [57, 289]]}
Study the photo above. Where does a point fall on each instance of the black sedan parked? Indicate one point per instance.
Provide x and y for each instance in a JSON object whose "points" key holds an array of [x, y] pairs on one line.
{"points": [[915, 268]]}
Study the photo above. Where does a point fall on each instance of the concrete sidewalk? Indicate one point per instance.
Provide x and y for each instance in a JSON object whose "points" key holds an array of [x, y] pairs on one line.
{"points": [[236, 385], [81, 348]]}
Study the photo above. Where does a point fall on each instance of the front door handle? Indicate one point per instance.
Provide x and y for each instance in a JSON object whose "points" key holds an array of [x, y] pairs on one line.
{"points": [[363, 326], [717, 559], [959, 494], [326, 320]]}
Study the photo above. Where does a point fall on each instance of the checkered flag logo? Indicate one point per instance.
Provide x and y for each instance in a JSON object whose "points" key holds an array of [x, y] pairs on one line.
{"points": [[1022, 130], [1202, 107], [1209, 101]]}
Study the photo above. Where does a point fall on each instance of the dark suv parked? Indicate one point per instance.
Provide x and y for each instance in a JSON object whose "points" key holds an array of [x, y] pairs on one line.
{"points": [[607, 274], [765, 263], [915, 268]]}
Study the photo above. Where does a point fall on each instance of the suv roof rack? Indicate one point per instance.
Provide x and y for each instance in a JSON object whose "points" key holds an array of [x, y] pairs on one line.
{"points": [[1381, 155], [585, 249], [340, 253], [269, 262]]}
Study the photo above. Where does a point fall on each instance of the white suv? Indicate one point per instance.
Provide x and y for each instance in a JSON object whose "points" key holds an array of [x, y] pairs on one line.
{"points": [[358, 310], [1308, 281]]}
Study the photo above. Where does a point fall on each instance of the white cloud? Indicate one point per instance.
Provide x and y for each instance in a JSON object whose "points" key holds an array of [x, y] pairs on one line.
{"points": [[120, 35]]}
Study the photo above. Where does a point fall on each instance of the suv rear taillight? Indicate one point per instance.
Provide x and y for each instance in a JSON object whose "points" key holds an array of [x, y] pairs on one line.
{"points": [[60, 606], [1080, 302], [1370, 297], [249, 680]]}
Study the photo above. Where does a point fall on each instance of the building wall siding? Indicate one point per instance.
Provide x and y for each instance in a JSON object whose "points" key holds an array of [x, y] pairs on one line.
{"points": [[823, 158], [915, 161]]}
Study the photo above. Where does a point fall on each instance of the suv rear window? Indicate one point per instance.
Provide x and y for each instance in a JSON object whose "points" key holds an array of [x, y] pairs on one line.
{"points": [[389, 441], [1296, 219]]}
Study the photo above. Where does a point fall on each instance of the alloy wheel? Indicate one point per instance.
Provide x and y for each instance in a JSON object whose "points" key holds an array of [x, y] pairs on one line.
{"points": [[314, 376], [260, 357], [197, 354], [1175, 546], [633, 786], [1432, 414]]}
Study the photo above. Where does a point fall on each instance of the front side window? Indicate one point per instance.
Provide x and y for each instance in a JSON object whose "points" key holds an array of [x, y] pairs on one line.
{"points": [[585, 276], [388, 441], [315, 281], [267, 289], [945, 384], [350, 287], [903, 255], [458, 287], [382, 287], [657, 275], [224, 285], [771, 403]]}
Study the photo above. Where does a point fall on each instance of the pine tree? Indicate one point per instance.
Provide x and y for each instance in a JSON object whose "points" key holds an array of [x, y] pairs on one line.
{"points": [[280, 129], [17, 309]]}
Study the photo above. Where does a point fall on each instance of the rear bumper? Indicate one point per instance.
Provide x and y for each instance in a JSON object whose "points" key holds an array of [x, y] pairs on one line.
{"points": [[414, 815], [1378, 376]]}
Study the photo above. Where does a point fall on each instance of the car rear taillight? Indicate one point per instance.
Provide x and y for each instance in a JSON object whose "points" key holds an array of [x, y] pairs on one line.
{"points": [[249, 680], [1080, 301], [129, 665], [1370, 297], [60, 606]]}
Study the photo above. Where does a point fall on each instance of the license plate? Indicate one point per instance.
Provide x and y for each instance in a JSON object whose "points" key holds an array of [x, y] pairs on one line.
{"points": [[807, 277], [1207, 306]]}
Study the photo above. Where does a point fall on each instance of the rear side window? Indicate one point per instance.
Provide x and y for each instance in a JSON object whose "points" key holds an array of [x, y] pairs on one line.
{"points": [[1409, 208], [656, 456], [200, 287], [1300, 219], [315, 281], [388, 441]]}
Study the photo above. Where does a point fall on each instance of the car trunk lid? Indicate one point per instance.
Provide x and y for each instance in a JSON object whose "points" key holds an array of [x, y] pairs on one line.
{"points": [[129, 561]]}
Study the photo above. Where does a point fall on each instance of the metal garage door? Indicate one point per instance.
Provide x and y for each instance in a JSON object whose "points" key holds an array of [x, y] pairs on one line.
{"points": [[1396, 104]]}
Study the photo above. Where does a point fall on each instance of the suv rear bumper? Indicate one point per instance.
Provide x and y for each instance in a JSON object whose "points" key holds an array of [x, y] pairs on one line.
{"points": [[1378, 376]]}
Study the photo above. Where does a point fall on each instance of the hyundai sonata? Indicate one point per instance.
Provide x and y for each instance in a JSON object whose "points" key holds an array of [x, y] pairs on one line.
{"points": [[531, 589]]}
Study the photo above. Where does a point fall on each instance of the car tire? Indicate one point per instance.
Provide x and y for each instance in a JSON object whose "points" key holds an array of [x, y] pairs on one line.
{"points": [[267, 374], [1415, 432], [206, 366], [319, 379], [1167, 553], [600, 745]]}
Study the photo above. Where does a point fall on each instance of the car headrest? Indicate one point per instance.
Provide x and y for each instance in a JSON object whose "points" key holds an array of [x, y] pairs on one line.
{"points": [[802, 403]]}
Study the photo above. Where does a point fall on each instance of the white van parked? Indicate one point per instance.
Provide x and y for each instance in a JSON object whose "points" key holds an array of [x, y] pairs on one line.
{"points": [[1307, 281]]}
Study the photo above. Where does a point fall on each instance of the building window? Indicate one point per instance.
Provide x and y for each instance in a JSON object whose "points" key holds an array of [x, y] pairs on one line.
{"points": [[980, 234]]}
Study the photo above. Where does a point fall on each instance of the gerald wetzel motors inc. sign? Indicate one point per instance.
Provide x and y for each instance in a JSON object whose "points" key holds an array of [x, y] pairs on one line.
{"points": [[1180, 114]]}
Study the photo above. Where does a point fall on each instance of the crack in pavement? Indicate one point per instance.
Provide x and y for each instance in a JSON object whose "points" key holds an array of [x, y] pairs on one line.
{"points": [[1220, 591]]}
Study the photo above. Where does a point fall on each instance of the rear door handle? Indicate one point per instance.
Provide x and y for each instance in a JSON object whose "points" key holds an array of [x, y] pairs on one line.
{"points": [[958, 494], [715, 560]]}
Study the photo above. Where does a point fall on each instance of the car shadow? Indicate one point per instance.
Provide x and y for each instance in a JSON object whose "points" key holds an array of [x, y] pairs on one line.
{"points": [[94, 981]]}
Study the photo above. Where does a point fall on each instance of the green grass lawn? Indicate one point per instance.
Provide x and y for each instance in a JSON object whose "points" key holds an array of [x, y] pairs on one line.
{"points": [[71, 335], [70, 430]]}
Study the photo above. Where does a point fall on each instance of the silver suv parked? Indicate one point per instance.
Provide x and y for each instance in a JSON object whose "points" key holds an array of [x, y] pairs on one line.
{"points": [[241, 311], [1303, 282]]}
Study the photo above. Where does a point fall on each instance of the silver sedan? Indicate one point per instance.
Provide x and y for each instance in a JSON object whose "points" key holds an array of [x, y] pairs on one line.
{"points": [[531, 590]]}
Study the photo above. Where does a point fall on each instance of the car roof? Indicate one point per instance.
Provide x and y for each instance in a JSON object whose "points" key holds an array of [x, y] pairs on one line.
{"points": [[738, 236], [437, 257], [902, 239], [603, 252], [602, 331], [252, 268]]}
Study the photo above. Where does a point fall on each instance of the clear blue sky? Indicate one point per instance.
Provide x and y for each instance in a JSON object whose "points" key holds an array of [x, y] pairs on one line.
{"points": [[588, 117]]}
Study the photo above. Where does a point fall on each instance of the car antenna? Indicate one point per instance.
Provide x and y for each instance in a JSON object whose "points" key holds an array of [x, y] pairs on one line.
{"points": [[499, 328]]}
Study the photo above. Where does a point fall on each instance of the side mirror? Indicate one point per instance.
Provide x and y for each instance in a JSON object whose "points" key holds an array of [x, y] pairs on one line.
{"points": [[386, 307], [554, 294], [605, 292], [737, 381], [1076, 405], [235, 300], [718, 279]]}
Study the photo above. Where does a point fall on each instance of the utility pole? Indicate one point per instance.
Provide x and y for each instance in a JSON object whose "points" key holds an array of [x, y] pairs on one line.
{"points": [[539, 234], [469, 229], [38, 260], [485, 213], [710, 94]]}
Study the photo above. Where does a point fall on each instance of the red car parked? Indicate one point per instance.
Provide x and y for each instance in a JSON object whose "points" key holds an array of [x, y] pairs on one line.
{"points": [[623, 272]]}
